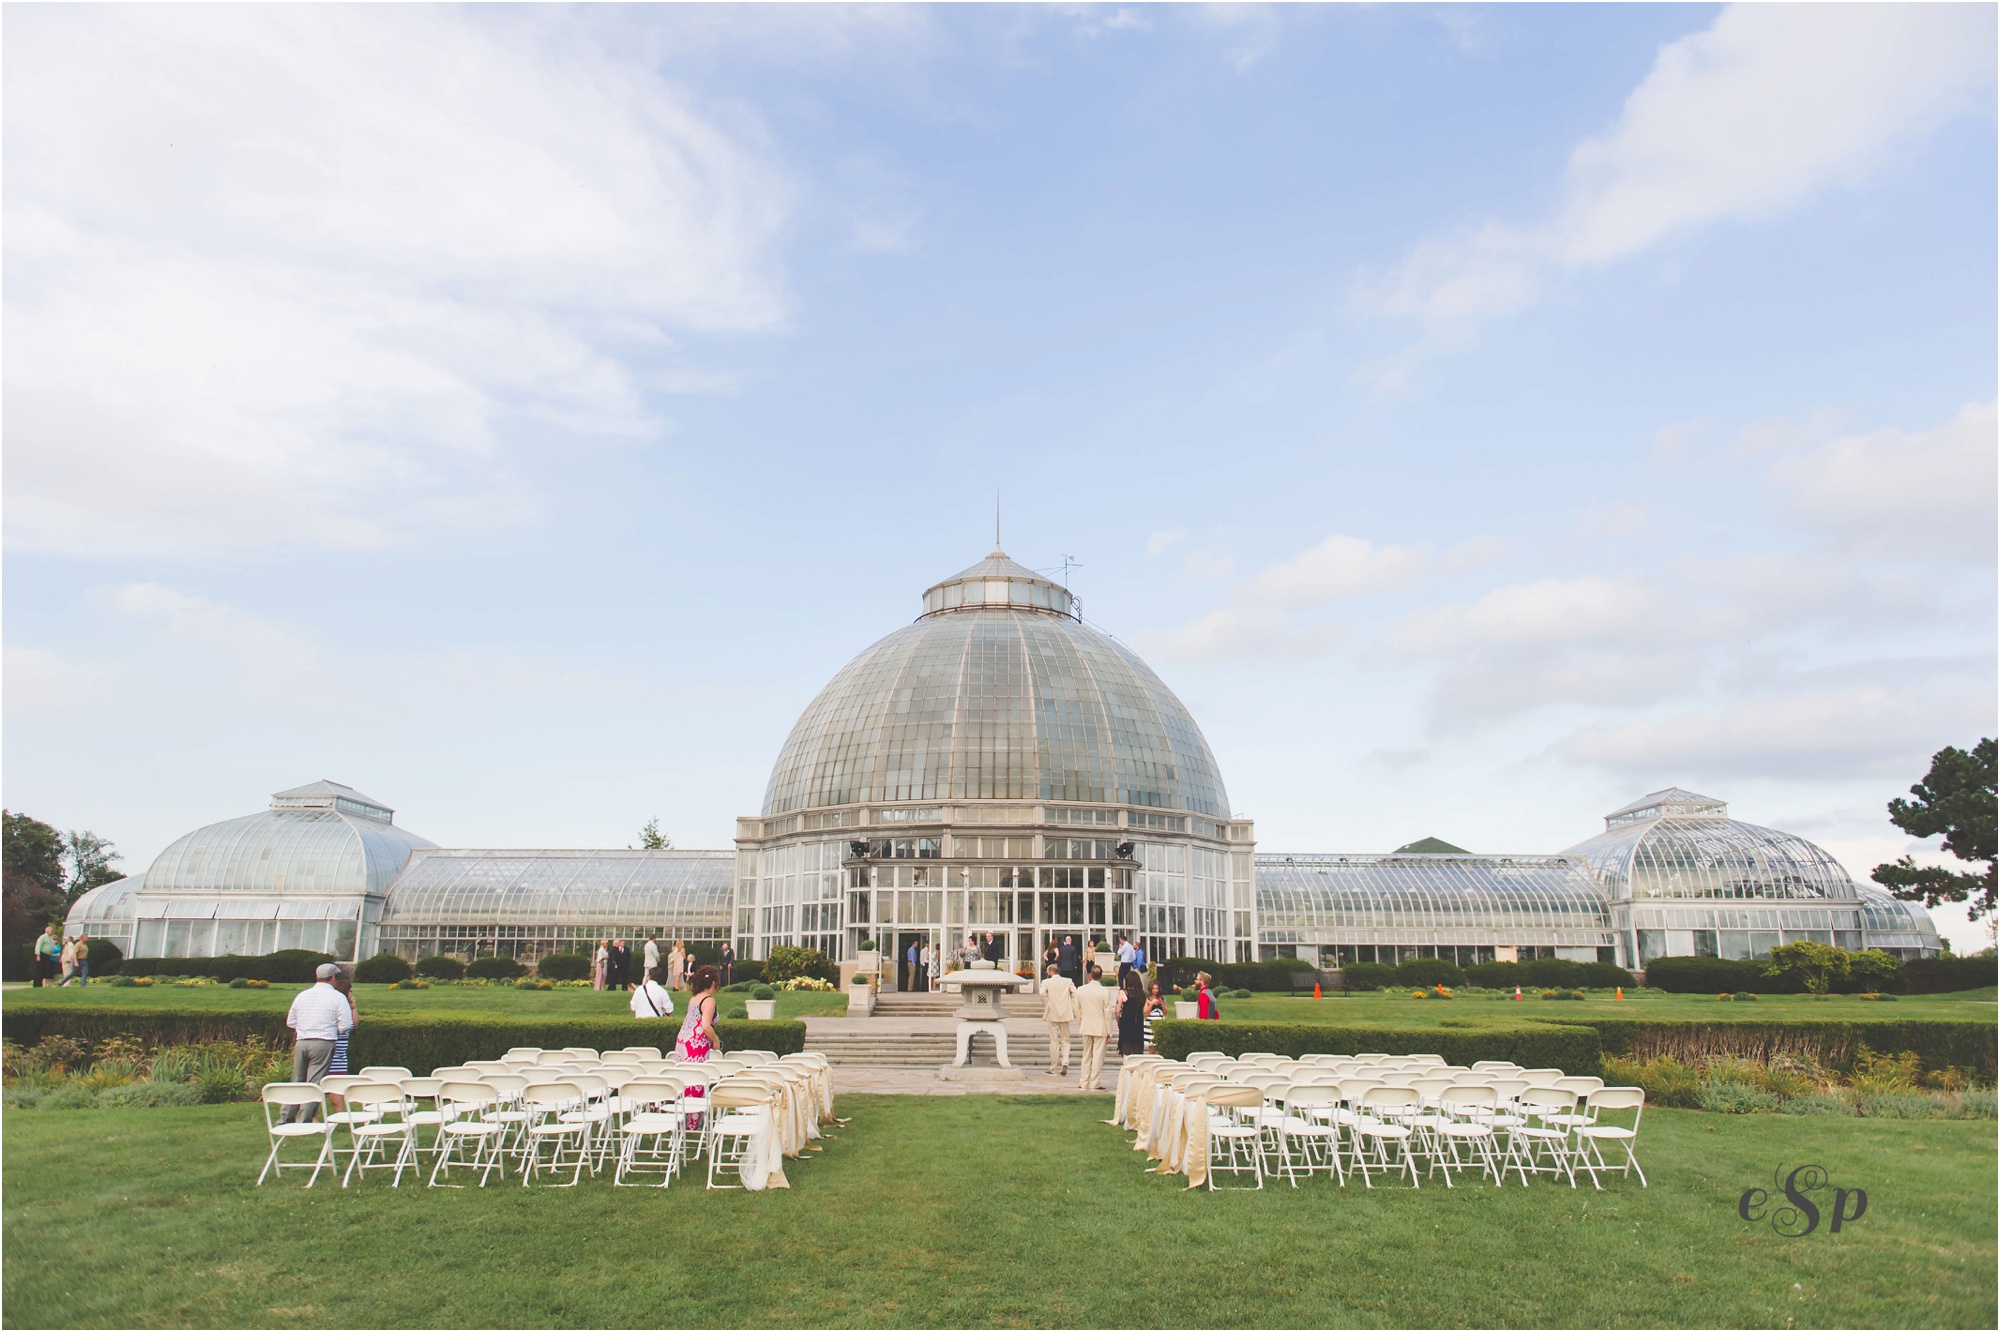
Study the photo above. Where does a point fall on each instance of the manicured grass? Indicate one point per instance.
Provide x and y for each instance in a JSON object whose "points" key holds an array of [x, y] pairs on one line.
{"points": [[1398, 1009], [988, 1211], [456, 1000]]}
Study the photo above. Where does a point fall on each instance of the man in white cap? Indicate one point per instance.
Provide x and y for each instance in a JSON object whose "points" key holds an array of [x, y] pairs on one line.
{"points": [[317, 1018]]}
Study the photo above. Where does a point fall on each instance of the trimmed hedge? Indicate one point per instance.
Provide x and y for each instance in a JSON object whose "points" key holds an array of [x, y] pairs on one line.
{"points": [[413, 1042], [564, 966], [440, 966], [1367, 976], [1265, 977], [105, 957], [290, 966], [1834, 1042], [382, 969], [1921, 975], [494, 968], [1429, 971], [1573, 1049]]}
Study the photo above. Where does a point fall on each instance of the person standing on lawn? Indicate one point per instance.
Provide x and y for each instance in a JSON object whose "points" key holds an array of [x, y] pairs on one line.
{"points": [[677, 966], [728, 963], [68, 960], [599, 959], [650, 999], [83, 958], [1058, 1010], [652, 956], [1205, 1006], [1131, 1013], [1098, 1022], [48, 953], [697, 1038], [318, 1017]]}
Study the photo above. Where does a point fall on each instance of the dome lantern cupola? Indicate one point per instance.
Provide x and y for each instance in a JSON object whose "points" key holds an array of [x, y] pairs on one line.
{"points": [[996, 582]]}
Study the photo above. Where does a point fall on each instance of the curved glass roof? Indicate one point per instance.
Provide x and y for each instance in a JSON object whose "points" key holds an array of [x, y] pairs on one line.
{"points": [[309, 841], [108, 902], [1711, 857], [628, 889], [1889, 922], [997, 701], [1413, 893]]}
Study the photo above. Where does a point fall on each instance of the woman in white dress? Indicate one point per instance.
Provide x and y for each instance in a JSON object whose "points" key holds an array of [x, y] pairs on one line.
{"points": [[676, 966], [597, 964]]}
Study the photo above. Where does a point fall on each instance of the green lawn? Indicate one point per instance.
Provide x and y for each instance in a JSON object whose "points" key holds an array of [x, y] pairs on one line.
{"points": [[1398, 1009], [989, 1211], [455, 1000]]}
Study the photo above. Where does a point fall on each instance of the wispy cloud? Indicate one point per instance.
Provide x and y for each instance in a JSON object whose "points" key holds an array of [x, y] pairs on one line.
{"points": [[1767, 107], [306, 277]]}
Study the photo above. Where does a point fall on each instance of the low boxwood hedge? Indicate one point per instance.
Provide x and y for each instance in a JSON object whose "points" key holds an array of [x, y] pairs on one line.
{"points": [[1573, 1049], [289, 966], [494, 968], [440, 966], [1941, 975], [424, 1042], [382, 969], [1834, 1042], [563, 966], [1265, 977], [1367, 976]]}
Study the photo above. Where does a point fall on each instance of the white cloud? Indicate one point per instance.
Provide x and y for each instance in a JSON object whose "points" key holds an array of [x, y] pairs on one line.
{"points": [[1767, 107], [1901, 493], [40, 682], [1878, 732], [304, 276], [267, 654], [1337, 568], [1159, 541], [1243, 633]]}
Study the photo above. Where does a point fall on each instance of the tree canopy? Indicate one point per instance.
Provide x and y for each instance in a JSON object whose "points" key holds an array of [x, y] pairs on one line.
{"points": [[89, 859], [652, 839], [1956, 800]]}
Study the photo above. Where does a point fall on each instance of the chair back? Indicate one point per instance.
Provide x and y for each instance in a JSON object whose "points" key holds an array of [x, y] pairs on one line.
{"points": [[755, 1056], [1310, 1093], [1430, 1088], [490, 1065], [521, 1060], [422, 1088], [283, 1094], [465, 1099], [459, 1071], [550, 1095], [1461, 1097], [1487, 1065], [1580, 1085], [1390, 1098], [380, 1096], [580, 1051], [1424, 1058], [1235, 1097], [593, 1084], [722, 1068], [1542, 1077], [336, 1083], [1548, 1100], [643, 1051], [523, 1050], [554, 1057], [1352, 1089], [385, 1071], [1509, 1089], [508, 1085], [653, 1091], [734, 1095], [622, 1057], [1616, 1098], [1200, 1057]]}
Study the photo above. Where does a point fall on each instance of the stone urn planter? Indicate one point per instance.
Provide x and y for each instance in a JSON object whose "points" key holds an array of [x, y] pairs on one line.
{"points": [[760, 1010], [860, 1000], [1183, 1009]]}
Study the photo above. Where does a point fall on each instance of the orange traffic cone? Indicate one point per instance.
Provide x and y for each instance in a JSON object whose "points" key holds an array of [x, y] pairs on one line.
{"points": [[1517, 992], [1621, 992], [1315, 989]]}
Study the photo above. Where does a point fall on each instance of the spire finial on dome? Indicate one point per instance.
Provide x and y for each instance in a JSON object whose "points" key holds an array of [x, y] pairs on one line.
{"points": [[996, 526]]}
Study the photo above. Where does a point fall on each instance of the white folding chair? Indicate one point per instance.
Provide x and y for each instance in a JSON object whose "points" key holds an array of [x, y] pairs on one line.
{"points": [[1588, 1136], [386, 1072], [754, 1056], [1307, 1133], [654, 1133], [465, 1105], [1235, 1138], [367, 1142], [595, 1114], [736, 1115], [279, 1097], [580, 1052], [1468, 1126], [644, 1051], [1376, 1126], [421, 1108], [506, 1111], [1540, 1141], [546, 1103], [527, 1051]]}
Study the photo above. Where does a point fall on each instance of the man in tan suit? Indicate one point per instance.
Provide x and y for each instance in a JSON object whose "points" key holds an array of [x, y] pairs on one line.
{"points": [[1058, 1010], [1097, 1020]]}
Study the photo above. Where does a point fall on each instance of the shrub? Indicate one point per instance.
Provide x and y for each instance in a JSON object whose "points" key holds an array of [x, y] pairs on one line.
{"points": [[382, 969], [1367, 976], [441, 967], [785, 963], [1729, 1097], [763, 992], [494, 968], [1563, 994], [563, 966], [1830, 1042], [105, 957], [740, 987], [1272, 976], [240, 983], [1573, 1049], [1553, 973], [531, 983], [1429, 971], [1606, 976], [1665, 1080], [1703, 975], [1941, 975], [291, 966], [1818, 1103], [411, 983], [1239, 994], [1494, 975]]}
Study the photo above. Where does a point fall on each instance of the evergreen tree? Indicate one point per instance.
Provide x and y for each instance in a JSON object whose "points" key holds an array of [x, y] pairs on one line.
{"points": [[1955, 799]]}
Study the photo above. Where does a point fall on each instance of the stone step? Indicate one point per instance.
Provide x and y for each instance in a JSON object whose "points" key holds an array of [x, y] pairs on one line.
{"points": [[929, 1049]]}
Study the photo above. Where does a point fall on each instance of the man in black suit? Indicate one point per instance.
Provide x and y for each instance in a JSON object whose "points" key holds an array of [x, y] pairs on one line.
{"points": [[728, 963], [993, 949], [1066, 959], [617, 963]]}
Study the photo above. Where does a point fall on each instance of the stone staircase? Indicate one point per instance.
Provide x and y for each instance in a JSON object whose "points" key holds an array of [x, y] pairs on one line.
{"points": [[926, 1049], [947, 1005]]}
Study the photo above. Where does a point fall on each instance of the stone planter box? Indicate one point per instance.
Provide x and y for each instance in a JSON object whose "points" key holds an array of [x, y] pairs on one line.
{"points": [[760, 1010], [1184, 1010], [860, 1000]]}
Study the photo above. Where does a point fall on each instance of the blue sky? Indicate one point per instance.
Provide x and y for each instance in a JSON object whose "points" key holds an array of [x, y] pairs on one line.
{"points": [[1481, 416]]}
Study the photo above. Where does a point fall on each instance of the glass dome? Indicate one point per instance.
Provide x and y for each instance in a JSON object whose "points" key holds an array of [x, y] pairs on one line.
{"points": [[1896, 926], [1677, 845], [997, 692], [528, 903]]}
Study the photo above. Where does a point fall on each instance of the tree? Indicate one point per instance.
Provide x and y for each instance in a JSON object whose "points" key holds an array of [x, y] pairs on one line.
{"points": [[31, 888], [652, 839], [1955, 799], [1818, 965], [89, 858]]}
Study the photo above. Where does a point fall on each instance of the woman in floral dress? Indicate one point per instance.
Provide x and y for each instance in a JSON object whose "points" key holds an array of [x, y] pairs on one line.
{"points": [[697, 1039]]}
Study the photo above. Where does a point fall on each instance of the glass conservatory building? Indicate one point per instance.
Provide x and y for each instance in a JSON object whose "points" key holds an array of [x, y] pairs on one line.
{"points": [[997, 766]]}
